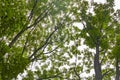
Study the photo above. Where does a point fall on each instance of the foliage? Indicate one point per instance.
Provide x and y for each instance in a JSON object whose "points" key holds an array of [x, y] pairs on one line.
{"points": [[42, 34]]}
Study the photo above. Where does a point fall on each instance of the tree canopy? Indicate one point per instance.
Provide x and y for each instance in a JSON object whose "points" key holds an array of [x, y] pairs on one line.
{"points": [[40, 40]]}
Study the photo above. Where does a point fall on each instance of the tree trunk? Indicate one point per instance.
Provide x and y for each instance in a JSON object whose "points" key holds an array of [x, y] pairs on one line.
{"points": [[97, 64], [117, 70]]}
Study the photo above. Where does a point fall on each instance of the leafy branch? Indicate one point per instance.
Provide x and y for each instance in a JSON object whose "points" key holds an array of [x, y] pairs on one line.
{"points": [[46, 42], [37, 20]]}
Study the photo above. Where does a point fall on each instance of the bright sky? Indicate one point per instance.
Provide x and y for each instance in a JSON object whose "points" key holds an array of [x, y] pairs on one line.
{"points": [[117, 4]]}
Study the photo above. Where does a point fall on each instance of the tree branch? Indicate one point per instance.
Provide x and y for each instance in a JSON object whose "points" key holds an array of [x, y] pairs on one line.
{"points": [[52, 76], [52, 50], [48, 38], [17, 36], [103, 56], [77, 74], [106, 73], [37, 20], [26, 41], [31, 13]]}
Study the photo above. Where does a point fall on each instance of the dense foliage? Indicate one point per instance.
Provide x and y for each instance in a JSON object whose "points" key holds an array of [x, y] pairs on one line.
{"points": [[59, 40]]}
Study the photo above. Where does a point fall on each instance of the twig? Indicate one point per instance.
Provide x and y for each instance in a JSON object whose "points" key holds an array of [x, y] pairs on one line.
{"points": [[37, 20], [43, 44], [103, 56], [53, 76], [26, 41], [77, 74], [31, 13], [52, 50], [106, 73]]}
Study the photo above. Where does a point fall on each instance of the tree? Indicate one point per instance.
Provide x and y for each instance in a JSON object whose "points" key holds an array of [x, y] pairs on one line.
{"points": [[12, 19], [98, 33], [115, 50], [28, 28], [43, 32]]}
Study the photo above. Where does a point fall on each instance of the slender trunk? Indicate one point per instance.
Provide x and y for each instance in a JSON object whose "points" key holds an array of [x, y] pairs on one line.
{"points": [[97, 64], [117, 70]]}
